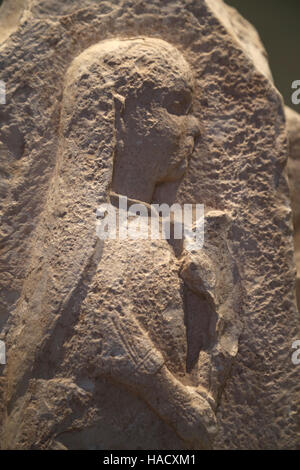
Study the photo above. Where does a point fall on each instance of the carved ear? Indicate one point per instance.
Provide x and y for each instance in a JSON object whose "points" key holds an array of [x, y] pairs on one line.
{"points": [[119, 107]]}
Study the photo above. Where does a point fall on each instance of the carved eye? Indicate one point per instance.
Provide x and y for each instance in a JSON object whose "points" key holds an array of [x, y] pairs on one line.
{"points": [[179, 104]]}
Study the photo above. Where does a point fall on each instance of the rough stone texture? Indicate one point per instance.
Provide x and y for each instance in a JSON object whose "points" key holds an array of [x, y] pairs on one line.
{"points": [[139, 344]]}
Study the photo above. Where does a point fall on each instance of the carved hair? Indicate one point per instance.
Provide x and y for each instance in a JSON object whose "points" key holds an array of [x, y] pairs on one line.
{"points": [[99, 81]]}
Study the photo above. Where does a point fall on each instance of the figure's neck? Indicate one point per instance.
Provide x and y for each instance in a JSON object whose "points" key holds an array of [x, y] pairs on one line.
{"points": [[133, 186], [114, 199]]}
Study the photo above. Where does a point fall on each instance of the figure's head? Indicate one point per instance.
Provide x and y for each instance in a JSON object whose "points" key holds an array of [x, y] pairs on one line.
{"points": [[151, 87]]}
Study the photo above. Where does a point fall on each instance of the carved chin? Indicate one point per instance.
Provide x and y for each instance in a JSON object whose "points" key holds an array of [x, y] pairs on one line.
{"points": [[178, 171]]}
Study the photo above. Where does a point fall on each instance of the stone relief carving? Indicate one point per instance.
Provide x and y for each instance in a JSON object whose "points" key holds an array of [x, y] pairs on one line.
{"points": [[153, 318], [222, 320]]}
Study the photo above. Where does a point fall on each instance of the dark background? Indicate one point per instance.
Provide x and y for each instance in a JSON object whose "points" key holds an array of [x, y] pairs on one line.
{"points": [[278, 24]]}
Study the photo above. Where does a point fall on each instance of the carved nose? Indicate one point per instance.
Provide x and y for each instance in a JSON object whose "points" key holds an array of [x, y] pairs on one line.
{"points": [[193, 127]]}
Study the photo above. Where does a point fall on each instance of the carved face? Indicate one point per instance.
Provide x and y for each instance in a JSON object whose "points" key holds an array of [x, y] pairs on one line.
{"points": [[160, 129], [155, 131]]}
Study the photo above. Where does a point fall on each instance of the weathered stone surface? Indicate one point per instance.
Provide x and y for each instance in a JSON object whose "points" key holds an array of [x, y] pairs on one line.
{"points": [[140, 344]]}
